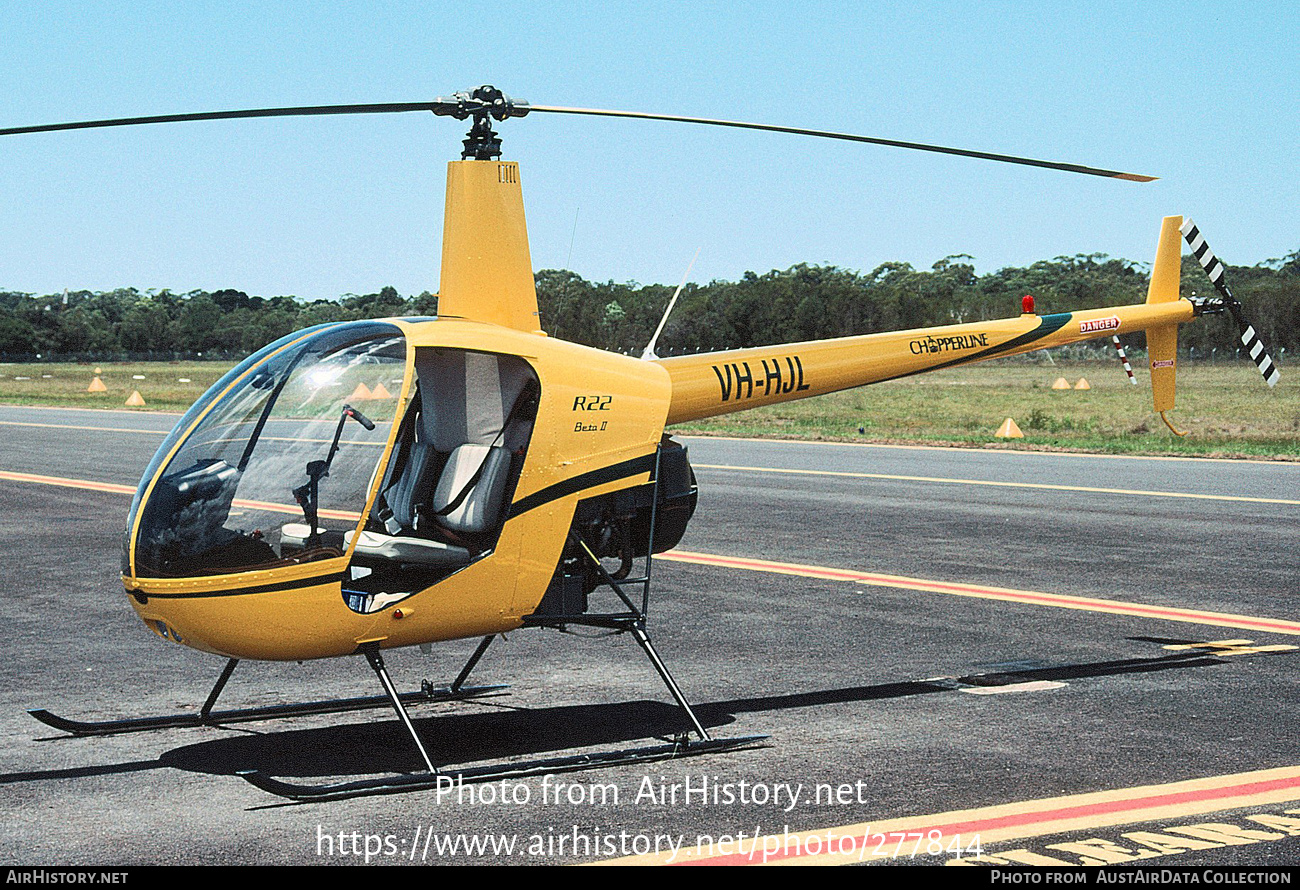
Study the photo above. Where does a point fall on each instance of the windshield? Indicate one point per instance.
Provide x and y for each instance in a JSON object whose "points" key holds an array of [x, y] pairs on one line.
{"points": [[280, 468]]}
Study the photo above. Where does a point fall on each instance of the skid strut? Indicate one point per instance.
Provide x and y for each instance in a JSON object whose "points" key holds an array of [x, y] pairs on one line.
{"points": [[432, 777], [632, 621], [206, 716]]}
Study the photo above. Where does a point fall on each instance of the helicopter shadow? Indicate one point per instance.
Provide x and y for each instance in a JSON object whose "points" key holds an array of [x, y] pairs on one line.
{"points": [[383, 745], [498, 733]]}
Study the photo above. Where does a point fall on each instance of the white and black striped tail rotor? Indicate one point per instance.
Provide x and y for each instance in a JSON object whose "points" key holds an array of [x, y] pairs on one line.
{"points": [[1212, 265], [1214, 268], [1123, 357], [1255, 347]]}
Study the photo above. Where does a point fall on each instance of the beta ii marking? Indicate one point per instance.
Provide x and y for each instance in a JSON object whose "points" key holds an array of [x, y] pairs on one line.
{"points": [[591, 403]]}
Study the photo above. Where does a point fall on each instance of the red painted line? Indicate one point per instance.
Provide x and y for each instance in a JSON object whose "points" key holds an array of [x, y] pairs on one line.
{"points": [[1041, 817], [294, 511], [1025, 596], [1108, 605], [764, 566], [113, 488], [1247, 789], [67, 483]]}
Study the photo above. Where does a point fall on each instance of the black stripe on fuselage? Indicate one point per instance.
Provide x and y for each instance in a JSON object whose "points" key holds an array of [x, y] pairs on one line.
{"points": [[241, 591], [643, 464], [1047, 324]]}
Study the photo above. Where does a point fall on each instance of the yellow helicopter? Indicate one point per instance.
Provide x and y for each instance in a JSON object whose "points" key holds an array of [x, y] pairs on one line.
{"points": [[361, 486]]}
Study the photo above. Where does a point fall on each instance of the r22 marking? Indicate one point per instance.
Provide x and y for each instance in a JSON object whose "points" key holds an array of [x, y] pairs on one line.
{"points": [[592, 403]]}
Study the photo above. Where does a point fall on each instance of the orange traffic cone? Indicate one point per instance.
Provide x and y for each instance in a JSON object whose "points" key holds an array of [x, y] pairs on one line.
{"points": [[380, 392], [97, 385], [135, 400], [1083, 384], [361, 393], [1009, 430], [1061, 383]]}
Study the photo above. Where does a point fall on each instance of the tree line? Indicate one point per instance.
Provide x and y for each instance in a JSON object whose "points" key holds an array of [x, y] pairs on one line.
{"points": [[804, 302]]}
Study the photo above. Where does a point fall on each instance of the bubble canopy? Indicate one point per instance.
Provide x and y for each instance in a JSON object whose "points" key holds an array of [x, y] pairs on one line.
{"points": [[278, 469]]}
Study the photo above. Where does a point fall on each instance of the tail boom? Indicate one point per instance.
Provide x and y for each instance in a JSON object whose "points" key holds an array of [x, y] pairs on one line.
{"points": [[711, 384]]}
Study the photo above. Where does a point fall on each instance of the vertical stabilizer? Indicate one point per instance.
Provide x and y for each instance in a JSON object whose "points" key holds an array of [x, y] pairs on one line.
{"points": [[487, 273], [1162, 341], [1167, 272]]}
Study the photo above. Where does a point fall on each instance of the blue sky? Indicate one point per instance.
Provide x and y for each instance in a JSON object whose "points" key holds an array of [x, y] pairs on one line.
{"points": [[1205, 96]]}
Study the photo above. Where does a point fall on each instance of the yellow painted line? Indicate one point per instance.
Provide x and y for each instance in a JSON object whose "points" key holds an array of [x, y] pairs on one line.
{"points": [[1039, 485], [73, 426], [892, 840], [94, 410], [1287, 460], [1228, 647], [1006, 594], [1029, 686]]}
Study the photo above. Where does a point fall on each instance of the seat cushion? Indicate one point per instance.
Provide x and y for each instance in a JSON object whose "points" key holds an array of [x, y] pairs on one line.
{"points": [[410, 489], [408, 549], [294, 534], [478, 509]]}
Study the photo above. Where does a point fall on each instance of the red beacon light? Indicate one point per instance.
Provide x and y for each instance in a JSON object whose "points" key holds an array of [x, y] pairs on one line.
{"points": [[1027, 304]]}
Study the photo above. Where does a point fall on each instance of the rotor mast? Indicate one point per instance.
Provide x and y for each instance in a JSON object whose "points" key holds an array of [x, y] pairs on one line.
{"points": [[487, 270]]}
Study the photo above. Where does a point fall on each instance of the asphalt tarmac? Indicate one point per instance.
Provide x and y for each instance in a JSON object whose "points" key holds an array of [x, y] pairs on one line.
{"points": [[1036, 657]]}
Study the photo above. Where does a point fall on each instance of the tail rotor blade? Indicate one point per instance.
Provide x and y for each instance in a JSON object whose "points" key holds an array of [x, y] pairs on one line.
{"points": [[1214, 268], [1123, 357], [1212, 265], [1255, 346]]}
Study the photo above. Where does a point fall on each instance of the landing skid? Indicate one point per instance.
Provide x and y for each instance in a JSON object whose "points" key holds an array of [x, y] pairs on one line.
{"points": [[206, 716], [245, 715]]}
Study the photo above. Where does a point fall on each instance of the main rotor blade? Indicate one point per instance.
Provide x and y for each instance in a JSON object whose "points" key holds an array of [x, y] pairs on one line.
{"points": [[301, 111], [462, 106], [800, 131]]}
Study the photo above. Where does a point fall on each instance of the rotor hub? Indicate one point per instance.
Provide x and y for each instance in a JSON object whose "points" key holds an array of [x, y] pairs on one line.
{"points": [[483, 104]]}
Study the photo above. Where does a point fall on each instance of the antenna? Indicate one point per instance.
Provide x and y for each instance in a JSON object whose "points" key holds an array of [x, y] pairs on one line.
{"points": [[649, 352], [569, 259]]}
